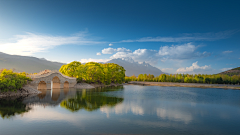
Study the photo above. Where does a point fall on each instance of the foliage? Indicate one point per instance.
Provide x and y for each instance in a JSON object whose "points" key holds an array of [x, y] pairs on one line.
{"points": [[186, 78], [90, 100], [11, 81], [70, 69], [93, 72]]}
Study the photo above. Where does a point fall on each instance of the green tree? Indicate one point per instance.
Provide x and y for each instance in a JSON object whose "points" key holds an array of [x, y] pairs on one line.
{"points": [[93, 72], [11, 81], [71, 69]]}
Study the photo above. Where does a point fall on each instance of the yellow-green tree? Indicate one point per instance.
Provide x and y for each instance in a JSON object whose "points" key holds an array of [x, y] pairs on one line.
{"points": [[71, 69], [93, 72], [11, 81]]}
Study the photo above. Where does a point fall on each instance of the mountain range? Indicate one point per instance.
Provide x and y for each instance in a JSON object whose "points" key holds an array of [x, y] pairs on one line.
{"points": [[135, 68], [35, 65], [26, 63]]}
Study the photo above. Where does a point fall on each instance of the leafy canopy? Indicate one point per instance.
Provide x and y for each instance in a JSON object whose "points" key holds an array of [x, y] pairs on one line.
{"points": [[11, 81], [93, 72]]}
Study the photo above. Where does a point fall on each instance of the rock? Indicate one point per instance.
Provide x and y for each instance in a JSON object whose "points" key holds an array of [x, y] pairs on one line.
{"points": [[26, 90]]}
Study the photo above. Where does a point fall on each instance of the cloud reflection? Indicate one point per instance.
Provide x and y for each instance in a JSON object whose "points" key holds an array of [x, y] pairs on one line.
{"points": [[175, 115], [173, 112]]}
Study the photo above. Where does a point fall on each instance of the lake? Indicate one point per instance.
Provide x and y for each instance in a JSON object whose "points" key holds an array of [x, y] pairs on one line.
{"points": [[128, 109]]}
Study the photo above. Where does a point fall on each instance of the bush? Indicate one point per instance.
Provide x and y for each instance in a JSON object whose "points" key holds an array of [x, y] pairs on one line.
{"points": [[11, 81]]}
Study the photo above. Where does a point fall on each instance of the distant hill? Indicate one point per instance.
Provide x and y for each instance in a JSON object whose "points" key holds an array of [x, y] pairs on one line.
{"points": [[135, 68], [27, 64], [231, 72], [35, 65]]}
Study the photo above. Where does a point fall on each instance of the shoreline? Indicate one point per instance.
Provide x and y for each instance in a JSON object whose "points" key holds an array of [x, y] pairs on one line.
{"points": [[194, 85], [27, 90], [102, 85], [24, 91]]}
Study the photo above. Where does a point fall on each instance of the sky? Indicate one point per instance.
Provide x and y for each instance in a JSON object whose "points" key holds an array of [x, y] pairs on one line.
{"points": [[199, 36]]}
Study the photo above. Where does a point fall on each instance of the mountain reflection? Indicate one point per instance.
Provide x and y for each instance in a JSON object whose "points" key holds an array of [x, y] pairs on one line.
{"points": [[12, 107], [91, 100]]}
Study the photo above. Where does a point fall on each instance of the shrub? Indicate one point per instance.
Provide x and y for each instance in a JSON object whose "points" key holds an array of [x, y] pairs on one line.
{"points": [[11, 81]]}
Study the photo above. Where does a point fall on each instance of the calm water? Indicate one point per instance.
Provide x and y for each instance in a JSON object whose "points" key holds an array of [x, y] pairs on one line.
{"points": [[130, 109]]}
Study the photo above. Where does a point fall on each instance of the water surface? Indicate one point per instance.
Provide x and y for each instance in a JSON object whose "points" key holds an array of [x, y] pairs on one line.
{"points": [[130, 109]]}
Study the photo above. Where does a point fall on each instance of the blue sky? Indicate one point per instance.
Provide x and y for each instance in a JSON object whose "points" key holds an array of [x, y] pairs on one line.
{"points": [[175, 36]]}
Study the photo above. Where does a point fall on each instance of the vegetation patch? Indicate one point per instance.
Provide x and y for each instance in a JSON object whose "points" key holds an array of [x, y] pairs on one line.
{"points": [[11, 81], [187, 78], [93, 72]]}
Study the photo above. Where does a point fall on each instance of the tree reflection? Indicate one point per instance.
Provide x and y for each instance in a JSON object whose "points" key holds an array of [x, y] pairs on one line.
{"points": [[91, 100], [12, 107]]}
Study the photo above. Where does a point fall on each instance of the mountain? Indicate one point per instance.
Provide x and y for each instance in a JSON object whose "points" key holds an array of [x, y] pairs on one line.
{"points": [[27, 64], [35, 65], [231, 72], [136, 68]]}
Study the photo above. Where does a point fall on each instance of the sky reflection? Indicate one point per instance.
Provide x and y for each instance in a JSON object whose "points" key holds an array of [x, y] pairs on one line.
{"points": [[126, 110]]}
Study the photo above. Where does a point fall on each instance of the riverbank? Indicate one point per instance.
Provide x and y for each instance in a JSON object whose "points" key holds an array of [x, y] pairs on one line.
{"points": [[196, 85], [92, 86], [102, 85], [29, 90], [26, 90]]}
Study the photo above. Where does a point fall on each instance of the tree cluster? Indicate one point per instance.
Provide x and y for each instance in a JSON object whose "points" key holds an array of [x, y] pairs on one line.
{"points": [[93, 72], [187, 78], [11, 81]]}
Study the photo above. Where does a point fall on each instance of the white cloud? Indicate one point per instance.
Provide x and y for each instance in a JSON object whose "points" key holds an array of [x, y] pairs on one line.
{"points": [[123, 50], [110, 44], [187, 37], [140, 55], [99, 53], [227, 52], [195, 69], [184, 51], [30, 43], [108, 50], [93, 60], [225, 69], [177, 52], [112, 50]]}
